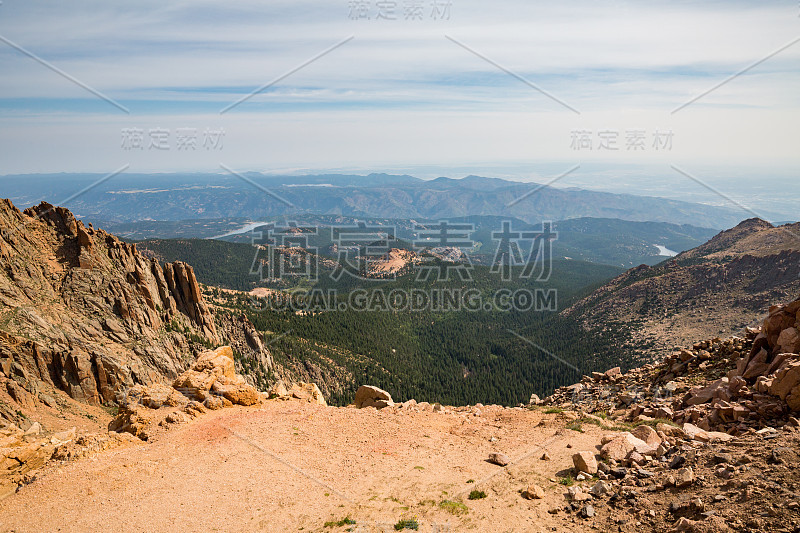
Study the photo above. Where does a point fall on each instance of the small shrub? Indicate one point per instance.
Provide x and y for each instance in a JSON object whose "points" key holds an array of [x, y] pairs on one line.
{"points": [[346, 521], [567, 481], [477, 495], [452, 507], [406, 523]]}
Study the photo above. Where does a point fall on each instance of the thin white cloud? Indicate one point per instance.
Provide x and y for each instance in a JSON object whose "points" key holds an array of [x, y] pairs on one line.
{"points": [[400, 91]]}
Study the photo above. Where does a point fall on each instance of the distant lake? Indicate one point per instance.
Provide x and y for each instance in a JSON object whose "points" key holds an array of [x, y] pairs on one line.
{"points": [[666, 252]]}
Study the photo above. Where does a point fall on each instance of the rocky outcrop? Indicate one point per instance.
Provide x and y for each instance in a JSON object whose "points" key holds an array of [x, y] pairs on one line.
{"points": [[85, 313], [306, 392], [369, 396], [210, 384], [773, 364]]}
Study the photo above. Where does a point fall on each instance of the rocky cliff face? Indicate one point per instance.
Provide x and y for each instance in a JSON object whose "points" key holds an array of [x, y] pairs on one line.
{"points": [[84, 312]]}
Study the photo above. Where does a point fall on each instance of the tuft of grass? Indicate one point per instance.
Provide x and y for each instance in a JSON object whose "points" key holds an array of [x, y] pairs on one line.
{"points": [[346, 521], [452, 507], [567, 481], [575, 426], [406, 523], [476, 495], [554, 411], [470, 481], [419, 468]]}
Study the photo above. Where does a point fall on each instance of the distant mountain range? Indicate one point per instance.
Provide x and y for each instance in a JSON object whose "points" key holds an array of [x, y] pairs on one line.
{"points": [[172, 197]]}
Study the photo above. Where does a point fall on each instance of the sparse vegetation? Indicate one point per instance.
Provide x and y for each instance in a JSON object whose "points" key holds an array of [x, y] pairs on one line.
{"points": [[575, 426], [407, 523], [452, 507], [346, 521], [476, 495], [567, 480]]}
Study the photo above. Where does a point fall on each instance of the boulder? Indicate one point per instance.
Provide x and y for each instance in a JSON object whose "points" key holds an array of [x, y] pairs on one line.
{"points": [[585, 462], [278, 390], [236, 391], [308, 392], [786, 381], [218, 362], [619, 448], [134, 420], [369, 396], [684, 477], [647, 434], [533, 492], [499, 459], [601, 488], [789, 341]]}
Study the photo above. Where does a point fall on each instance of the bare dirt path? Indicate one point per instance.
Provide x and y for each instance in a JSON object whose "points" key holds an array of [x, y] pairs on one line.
{"points": [[292, 466]]}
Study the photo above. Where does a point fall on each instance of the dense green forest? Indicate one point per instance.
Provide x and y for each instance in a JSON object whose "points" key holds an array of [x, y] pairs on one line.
{"points": [[454, 357], [488, 354]]}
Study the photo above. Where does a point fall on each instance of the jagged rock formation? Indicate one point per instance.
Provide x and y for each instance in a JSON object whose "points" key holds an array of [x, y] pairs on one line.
{"points": [[714, 290], [211, 383], [84, 312]]}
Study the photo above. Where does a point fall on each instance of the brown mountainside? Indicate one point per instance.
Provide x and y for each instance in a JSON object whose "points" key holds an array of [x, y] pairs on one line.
{"points": [[715, 289]]}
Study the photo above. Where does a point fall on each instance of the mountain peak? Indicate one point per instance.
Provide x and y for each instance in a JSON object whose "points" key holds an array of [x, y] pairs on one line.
{"points": [[754, 223]]}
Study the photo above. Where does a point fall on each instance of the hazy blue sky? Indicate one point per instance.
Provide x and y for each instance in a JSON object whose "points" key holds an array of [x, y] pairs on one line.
{"points": [[399, 94]]}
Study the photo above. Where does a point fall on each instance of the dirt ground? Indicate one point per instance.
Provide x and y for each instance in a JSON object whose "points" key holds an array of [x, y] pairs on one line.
{"points": [[293, 466]]}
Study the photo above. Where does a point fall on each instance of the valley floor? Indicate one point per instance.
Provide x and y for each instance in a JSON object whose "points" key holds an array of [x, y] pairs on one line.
{"points": [[293, 466]]}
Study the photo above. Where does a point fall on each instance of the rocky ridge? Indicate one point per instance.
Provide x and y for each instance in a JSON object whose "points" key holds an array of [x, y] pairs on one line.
{"points": [[82, 312], [714, 290], [709, 433]]}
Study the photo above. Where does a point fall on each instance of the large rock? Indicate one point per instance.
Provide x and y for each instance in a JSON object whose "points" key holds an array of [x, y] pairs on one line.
{"points": [[585, 462], [786, 384], [789, 341], [620, 447], [308, 392], [133, 419], [218, 362], [369, 396], [647, 434], [237, 391], [214, 373]]}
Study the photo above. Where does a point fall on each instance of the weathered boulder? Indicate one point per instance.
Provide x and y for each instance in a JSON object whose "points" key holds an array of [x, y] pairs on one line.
{"points": [[217, 362], [647, 434], [278, 390], [788, 341], [533, 492], [308, 392], [237, 391], [133, 419], [585, 462], [214, 373], [369, 396], [620, 447]]}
